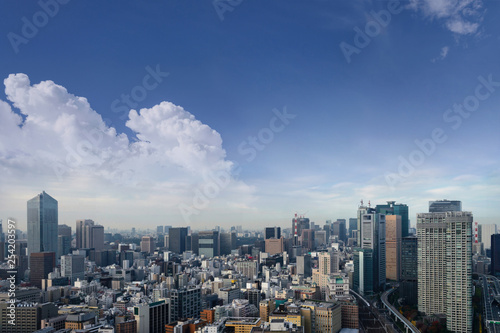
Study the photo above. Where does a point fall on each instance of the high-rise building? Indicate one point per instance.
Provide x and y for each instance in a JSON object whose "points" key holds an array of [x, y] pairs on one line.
{"points": [[304, 265], [177, 240], [353, 225], [148, 244], [484, 234], [409, 269], [328, 262], [339, 229], [208, 243], [152, 317], [159, 230], [42, 224], [393, 247], [185, 303], [64, 230], [363, 271], [371, 236], [73, 267], [272, 232], [41, 264], [495, 255], [308, 239], [445, 267], [227, 242], [392, 208], [275, 246], [89, 235], [441, 206]]}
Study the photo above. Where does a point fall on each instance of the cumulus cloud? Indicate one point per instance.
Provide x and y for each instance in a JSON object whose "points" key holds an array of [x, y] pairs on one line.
{"points": [[462, 17], [52, 138]]}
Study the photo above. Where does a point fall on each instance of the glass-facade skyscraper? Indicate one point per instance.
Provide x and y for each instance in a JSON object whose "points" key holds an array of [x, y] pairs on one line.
{"points": [[42, 224], [392, 208]]}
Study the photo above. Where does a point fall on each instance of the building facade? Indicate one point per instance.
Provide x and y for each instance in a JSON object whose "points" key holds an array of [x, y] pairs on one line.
{"points": [[42, 223]]}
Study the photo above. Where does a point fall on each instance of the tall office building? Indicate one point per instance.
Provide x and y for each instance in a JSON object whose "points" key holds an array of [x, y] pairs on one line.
{"points": [[445, 267], [148, 244], [371, 236], [339, 229], [304, 265], [392, 208], [275, 246], [272, 232], [484, 234], [73, 267], [328, 262], [152, 317], [42, 224], [89, 235], [363, 271], [208, 243], [185, 303], [64, 230], [227, 242], [393, 247], [307, 240], [177, 240], [41, 264], [159, 230], [409, 269], [495, 255], [441, 206], [353, 225]]}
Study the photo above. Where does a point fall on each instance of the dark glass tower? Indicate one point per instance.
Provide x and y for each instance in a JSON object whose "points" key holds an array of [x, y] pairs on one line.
{"points": [[42, 224], [392, 208]]}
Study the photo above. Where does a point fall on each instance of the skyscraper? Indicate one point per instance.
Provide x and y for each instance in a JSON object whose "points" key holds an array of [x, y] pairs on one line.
{"points": [[392, 208], [41, 264], [208, 243], [73, 267], [393, 246], [177, 240], [441, 206], [339, 229], [495, 255], [227, 242], [409, 269], [371, 236], [89, 235], [42, 224], [272, 232], [148, 244], [445, 267]]}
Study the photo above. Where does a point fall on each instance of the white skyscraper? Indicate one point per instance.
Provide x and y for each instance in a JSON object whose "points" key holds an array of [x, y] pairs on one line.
{"points": [[445, 267]]}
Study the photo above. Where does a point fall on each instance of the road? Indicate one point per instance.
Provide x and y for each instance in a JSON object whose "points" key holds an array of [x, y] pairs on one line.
{"points": [[491, 290], [396, 312]]}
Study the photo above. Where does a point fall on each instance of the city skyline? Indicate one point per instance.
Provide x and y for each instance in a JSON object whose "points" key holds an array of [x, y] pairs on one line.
{"points": [[212, 120]]}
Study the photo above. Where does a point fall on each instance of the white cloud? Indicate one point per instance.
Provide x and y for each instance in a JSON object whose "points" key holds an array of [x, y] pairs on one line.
{"points": [[462, 17], [64, 146], [442, 54]]}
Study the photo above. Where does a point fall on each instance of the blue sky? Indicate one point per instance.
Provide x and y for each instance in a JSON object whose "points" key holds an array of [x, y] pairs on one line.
{"points": [[229, 65]]}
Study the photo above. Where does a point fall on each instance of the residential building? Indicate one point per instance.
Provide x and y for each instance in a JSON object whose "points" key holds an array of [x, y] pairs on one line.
{"points": [[445, 267]]}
